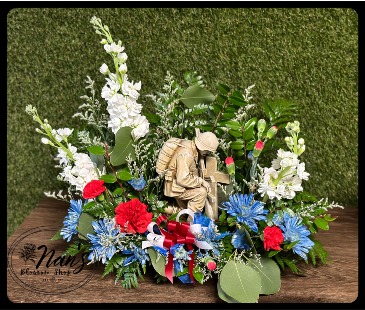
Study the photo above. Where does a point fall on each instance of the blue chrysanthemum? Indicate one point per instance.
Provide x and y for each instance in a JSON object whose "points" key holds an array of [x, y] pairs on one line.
{"points": [[71, 220], [103, 242], [293, 231], [246, 210], [137, 254], [138, 184], [239, 240]]}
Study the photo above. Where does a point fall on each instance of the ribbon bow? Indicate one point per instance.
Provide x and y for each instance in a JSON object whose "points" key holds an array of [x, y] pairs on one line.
{"points": [[174, 233]]}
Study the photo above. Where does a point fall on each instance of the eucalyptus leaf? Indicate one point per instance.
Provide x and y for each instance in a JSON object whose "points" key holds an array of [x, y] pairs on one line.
{"points": [[240, 282], [222, 295], [123, 147], [108, 178], [85, 227], [96, 149], [159, 264], [195, 94], [269, 272]]}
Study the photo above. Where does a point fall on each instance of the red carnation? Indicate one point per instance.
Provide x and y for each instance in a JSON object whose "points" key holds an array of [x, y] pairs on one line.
{"points": [[273, 237], [93, 189], [132, 216]]}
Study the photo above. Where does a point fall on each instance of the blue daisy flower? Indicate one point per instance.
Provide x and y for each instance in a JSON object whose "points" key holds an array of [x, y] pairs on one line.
{"points": [[138, 254], [245, 209], [71, 220], [239, 240], [293, 231], [103, 242], [138, 184]]}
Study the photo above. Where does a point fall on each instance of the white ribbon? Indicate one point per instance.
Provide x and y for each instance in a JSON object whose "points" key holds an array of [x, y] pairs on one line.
{"points": [[157, 240]]}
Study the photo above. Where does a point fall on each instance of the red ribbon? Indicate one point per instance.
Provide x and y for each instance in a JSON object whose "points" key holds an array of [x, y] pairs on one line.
{"points": [[176, 233]]}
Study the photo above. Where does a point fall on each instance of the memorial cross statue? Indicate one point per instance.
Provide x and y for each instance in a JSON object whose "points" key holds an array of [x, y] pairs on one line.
{"points": [[210, 173]]}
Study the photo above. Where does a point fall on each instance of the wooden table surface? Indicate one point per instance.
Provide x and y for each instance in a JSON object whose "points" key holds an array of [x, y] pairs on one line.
{"points": [[336, 282]]}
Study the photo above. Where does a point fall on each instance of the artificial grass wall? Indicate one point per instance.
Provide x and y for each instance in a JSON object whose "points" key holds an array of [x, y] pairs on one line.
{"points": [[306, 55]]}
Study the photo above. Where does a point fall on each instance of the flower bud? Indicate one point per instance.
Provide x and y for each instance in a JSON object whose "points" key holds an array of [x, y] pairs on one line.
{"points": [[301, 141], [230, 165], [123, 68], [104, 69], [271, 132], [261, 125], [211, 264], [45, 140], [259, 146], [38, 130], [104, 41]]}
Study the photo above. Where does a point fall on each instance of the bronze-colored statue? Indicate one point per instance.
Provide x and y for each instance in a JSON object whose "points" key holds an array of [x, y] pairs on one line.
{"points": [[186, 177]]}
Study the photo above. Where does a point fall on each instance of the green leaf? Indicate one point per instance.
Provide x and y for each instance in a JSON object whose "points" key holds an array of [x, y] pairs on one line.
{"points": [[93, 208], [248, 130], [124, 175], [290, 245], [198, 275], [273, 253], [159, 264], [222, 295], [85, 227], [269, 272], [194, 95], [237, 101], [292, 266], [321, 223], [279, 261], [57, 236], [117, 192], [233, 125], [108, 178], [223, 216], [123, 147], [235, 133], [237, 145], [152, 118], [224, 89], [76, 248], [240, 282], [96, 149], [328, 218]]}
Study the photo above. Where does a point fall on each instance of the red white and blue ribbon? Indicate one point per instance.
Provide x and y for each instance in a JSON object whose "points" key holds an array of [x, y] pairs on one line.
{"points": [[175, 233]]}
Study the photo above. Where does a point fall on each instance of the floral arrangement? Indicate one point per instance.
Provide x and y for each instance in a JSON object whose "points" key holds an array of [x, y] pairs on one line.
{"points": [[118, 212]]}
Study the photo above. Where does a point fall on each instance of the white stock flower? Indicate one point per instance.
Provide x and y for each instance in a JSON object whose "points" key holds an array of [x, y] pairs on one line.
{"points": [[104, 69], [285, 159], [113, 48], [110, 89], [130, 89], [301, 172], [122, 57], [141, 125]]}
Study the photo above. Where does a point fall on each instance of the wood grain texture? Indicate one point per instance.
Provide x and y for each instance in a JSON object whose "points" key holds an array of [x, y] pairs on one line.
{"points": [[336, 282]]}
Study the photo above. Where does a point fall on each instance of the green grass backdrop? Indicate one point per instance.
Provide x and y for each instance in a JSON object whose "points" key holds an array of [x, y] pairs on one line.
{"points": [[305, 55]]}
